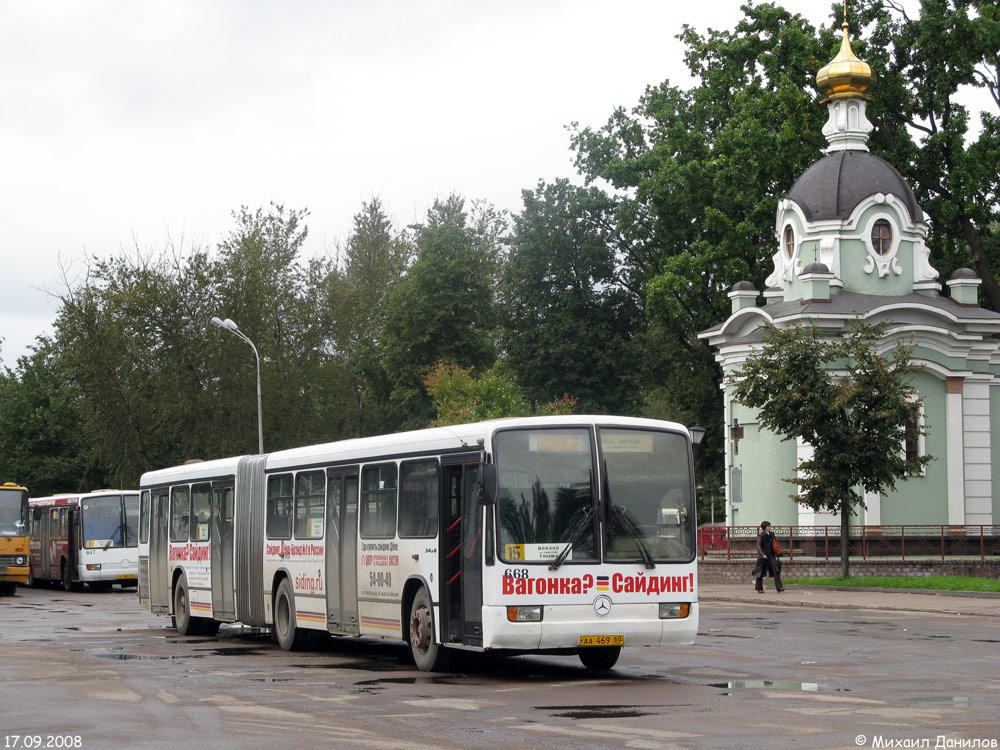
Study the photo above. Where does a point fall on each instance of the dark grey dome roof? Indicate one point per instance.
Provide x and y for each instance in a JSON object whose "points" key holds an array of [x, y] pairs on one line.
{"points": [[815, 268], [834, 186], [744, 286], [965, 273]]}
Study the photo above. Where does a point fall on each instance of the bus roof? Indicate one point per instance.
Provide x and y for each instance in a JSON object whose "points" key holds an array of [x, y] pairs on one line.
{"points": [[74, 498], [431, 440]]}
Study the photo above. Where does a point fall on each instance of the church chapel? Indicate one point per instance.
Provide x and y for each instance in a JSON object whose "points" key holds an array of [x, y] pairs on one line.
{"points": [[851, 247]]}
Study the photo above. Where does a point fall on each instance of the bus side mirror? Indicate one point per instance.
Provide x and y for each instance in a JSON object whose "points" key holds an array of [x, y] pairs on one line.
{"points": [[36, 513], [488, 484]]}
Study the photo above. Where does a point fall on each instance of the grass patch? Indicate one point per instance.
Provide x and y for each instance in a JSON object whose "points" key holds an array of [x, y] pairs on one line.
{"points": [[939, 583]]}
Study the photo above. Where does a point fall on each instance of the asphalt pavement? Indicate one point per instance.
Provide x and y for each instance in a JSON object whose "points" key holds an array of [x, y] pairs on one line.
{"points": [[985, 604]]}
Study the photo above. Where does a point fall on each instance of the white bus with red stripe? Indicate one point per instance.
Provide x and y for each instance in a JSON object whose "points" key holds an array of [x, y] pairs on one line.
{"points": [[89, 538], [569, 534]]}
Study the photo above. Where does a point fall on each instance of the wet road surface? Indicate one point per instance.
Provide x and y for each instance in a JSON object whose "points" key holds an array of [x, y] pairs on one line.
{"points": [[99, 671]]}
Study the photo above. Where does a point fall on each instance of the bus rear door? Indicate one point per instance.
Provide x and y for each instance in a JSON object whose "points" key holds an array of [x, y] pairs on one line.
{"points": [[223, 588], [342, 487]]}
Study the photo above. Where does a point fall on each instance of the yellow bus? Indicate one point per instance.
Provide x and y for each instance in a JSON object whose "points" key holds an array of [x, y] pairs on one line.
{"points": [[14, 563]]}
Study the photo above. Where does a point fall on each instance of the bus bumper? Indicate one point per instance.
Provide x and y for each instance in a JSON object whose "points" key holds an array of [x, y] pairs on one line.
{"points": [[14, 574], [563, 625]]}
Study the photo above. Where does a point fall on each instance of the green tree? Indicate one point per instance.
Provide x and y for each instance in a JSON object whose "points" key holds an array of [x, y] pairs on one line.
{"points": [[460, 396], [568, 321], [444, 309], [853, 405], [42, 445], [376, 256], [925, 66]]}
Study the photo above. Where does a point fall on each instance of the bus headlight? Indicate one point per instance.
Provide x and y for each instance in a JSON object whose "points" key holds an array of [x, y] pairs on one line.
{"points": [[525, 614], [94, 567], [674, 610], [19, 560]]}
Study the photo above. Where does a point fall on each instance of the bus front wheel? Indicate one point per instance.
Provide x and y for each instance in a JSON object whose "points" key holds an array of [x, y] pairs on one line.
{"points": [[290, 636], [182, 612], [600, 658], [428, 654]]}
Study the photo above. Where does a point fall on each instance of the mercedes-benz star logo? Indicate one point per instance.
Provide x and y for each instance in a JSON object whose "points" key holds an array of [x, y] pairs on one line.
{"points": [[602, 605]]}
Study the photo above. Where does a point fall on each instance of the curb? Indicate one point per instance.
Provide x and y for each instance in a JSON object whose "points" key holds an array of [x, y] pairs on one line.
{"points": [[831, 605]]}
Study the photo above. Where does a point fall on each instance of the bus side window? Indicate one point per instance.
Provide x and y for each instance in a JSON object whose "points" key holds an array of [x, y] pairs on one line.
{"points": [[309, 492], [201, 504], [418, 499], [279, 507], [180, 513], [378, 501]]}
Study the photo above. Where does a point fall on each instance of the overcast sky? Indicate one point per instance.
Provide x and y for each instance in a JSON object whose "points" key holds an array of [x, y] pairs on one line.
{"points": [[131, 123]]}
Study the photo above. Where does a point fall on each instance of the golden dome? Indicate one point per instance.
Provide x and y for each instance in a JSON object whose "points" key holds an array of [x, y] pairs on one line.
{"points": [[845, 75]]}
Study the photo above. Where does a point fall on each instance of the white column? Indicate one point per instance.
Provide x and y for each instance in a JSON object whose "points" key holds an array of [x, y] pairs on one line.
{"points": [[956, 451], [978, 471], [873, 509]]}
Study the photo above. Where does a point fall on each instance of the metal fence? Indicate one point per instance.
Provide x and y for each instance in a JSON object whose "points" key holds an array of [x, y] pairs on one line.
{"points": [[728, 542]]}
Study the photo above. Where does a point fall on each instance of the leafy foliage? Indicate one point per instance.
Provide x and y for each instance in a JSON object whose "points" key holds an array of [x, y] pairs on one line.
{"points": [[852, 404]]}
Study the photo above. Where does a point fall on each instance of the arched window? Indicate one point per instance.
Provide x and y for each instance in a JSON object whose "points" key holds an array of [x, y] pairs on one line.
{"points": [[882, 237], [789, 241]]}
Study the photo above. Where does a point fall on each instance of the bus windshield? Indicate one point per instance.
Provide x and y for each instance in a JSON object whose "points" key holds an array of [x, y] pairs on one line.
{"points": [[13, 512], [650, 508], [547, 496], [102, 522]]}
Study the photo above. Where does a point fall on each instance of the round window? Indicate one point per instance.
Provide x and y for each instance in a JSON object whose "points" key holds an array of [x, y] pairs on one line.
{"points": [[882, 237], [789, 241]]}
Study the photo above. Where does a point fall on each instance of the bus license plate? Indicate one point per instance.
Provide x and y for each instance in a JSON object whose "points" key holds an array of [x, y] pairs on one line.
{"points": [[125, 578], [602, 640]]}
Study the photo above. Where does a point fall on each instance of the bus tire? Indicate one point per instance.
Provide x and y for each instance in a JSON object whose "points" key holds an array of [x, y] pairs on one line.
{"points": [[428, 654], [182, 611], [600, 658], [68, 583], [8, 588], [290, 636]]}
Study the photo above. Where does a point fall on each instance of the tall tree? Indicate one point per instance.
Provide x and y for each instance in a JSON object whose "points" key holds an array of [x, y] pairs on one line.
{"points": [[42, 445], [568, 321], [852, 404], [444, 309], [376, 256]]}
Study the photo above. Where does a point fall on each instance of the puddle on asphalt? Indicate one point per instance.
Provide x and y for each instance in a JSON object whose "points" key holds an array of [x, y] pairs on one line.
{"points": [[805, 687], [428, 680], [356, 665], [598, 712], [122, 656]]}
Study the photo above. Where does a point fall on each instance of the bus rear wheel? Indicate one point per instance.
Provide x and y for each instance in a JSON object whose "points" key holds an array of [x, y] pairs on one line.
{"points": [[428, 654], [7, 588], [290, 637], [600, 658], [182, 612]]}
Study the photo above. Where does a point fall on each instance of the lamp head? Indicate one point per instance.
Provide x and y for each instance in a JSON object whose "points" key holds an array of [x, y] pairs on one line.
{"points": [[697, 434]]}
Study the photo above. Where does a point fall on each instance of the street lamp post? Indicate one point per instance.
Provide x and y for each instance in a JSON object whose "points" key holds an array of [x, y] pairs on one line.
{"points": [[229, 325]]}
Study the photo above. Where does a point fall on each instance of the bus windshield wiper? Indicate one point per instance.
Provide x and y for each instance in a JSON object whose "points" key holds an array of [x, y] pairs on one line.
{"points": [[633, 532], [585, 521]]}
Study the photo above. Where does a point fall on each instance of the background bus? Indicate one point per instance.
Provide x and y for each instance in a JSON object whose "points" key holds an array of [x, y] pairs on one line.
{"points": [[558, 534], [88, 538], [13, 537]]}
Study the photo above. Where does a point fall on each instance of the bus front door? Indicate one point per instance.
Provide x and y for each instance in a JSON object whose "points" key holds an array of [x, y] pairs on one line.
{"points": [[341, 551], [223, 596], [461, 556], [159, 586]]}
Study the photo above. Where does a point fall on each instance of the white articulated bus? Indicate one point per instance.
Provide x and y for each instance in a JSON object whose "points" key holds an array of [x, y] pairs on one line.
{"points": [[85, 538], [568, 534]]}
